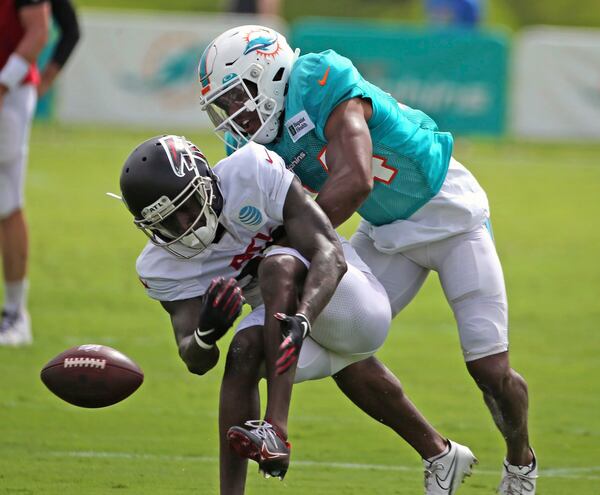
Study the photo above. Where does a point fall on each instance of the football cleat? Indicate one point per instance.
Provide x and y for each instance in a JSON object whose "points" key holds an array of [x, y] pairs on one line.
{"points": [[518, 480], [15, 329], [261, 442], [444, 475]]}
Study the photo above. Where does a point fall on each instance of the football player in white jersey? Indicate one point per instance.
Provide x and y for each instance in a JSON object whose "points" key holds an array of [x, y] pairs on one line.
{"points": [[209, 230], [362, 151]]}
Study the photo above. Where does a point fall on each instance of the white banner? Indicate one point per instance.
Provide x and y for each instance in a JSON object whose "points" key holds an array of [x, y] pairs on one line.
{"points": [[140, 68], [556, 91]]}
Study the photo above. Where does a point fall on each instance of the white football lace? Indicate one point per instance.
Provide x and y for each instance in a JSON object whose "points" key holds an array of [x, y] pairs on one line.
{"points": [[430, 471], [517, 484], [262, 429]]}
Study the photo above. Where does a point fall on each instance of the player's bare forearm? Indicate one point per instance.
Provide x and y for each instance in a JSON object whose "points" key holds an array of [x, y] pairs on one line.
{"points": [[341, 195], [281, 277], [185, 315], [327, 267], [311, 233], [349, 160], [35, 20], [48, 76], [198, 361]]}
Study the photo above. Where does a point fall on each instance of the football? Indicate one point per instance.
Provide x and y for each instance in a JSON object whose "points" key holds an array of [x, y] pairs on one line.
{"points": [[92, 376]]}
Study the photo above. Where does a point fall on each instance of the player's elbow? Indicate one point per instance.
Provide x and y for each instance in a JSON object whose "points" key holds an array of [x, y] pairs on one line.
{"points": [[196, 369], [72, 34], [334, 254], [197, 365], [281, 277], [339, 262], [361, 185]]}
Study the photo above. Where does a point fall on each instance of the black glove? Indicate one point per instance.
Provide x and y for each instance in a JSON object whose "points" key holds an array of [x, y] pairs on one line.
{"points": [[295, 329], [221, 305]]}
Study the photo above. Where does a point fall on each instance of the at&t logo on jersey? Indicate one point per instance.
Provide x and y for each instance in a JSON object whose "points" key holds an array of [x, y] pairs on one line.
{"points": [[251, 216]]}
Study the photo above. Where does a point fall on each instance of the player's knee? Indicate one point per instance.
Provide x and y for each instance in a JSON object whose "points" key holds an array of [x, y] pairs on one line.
{"points": [[245, 354], [10, 207], [281, 275], [194, 365], [493, 374]]}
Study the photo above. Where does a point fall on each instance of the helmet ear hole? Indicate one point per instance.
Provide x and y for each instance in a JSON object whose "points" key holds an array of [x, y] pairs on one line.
{"points": [[279, 74]]}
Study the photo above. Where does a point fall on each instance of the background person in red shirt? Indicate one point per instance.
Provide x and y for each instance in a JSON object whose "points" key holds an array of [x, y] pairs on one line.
{"points": [[24, 28]]}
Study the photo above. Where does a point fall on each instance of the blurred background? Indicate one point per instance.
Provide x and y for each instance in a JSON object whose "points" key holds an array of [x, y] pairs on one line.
{"points": [[518, 82], [476, 66]]}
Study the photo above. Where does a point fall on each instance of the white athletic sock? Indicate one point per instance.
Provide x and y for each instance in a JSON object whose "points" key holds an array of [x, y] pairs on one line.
{"points": [[15, 297], [441, 454]]}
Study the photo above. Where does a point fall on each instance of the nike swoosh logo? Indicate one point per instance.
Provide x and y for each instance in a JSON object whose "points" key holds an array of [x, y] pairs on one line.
{"points": [[323, 81], [441, 481], [267, 455], [304, 329], [207, 332], [269, 159]]}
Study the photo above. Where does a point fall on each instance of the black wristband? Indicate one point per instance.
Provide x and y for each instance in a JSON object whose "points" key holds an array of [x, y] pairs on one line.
{"points": [[307, 328]]}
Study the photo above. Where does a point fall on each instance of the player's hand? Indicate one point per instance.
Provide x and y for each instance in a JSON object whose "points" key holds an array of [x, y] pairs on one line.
{"points": [[221, 305], [295, 329]]}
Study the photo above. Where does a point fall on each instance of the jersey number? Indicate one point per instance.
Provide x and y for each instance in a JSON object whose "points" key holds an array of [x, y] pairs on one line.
{"points": [[380, 170]]}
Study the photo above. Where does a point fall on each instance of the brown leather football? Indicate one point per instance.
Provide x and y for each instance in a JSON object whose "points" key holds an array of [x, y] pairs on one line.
{"points": [[92, 376]]}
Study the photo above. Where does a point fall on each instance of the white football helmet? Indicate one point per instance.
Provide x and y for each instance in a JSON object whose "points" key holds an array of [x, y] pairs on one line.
{"points": [[243, 76]]}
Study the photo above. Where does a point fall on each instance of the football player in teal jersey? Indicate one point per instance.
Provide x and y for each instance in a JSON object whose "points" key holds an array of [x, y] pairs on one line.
{"points": [[360, 150]]}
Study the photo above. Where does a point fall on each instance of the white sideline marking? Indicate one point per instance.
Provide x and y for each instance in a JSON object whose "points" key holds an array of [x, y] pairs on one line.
{"points": [[585, 473]]}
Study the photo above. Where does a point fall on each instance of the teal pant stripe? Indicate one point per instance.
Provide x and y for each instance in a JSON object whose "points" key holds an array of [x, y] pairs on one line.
{"points": [[488, 226]]}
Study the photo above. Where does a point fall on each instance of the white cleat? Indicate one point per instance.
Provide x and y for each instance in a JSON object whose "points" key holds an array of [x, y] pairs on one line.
{"points": [[15, 329], [444, 475], [518, 480]]}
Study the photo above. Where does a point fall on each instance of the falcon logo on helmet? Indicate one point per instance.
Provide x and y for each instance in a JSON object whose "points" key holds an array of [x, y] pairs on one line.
{"points": [[181, 153]]}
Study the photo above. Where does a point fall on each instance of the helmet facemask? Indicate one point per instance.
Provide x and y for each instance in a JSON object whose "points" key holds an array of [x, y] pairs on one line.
{"points": [[238, 101], [186, 225]]}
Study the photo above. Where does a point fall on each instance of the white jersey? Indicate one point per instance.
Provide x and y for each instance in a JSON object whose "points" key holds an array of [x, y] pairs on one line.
{"points": [[460, 206], [254, 184]]}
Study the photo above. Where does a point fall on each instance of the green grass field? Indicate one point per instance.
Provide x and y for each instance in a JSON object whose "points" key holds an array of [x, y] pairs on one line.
{"points": [[163, 439]]}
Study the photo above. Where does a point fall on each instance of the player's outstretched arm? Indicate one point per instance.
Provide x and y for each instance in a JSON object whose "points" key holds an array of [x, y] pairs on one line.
{"points": [[200, 322], [310, 232], [184, 319], [349, 160]]}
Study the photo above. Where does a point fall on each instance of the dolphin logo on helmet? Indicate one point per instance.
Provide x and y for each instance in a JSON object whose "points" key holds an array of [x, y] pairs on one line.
{"points": [[261, 44]]}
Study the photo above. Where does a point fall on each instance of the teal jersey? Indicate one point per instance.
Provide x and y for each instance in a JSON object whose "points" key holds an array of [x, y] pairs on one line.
{"points": [[410, 154]]}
